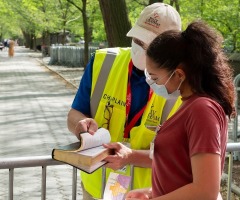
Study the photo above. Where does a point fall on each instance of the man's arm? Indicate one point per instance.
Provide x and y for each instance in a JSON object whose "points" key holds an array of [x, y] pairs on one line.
{"points": [[73, 119]]}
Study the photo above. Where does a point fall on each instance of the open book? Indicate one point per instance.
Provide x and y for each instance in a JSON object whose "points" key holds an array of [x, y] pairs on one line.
{"points": [[87, 154]]}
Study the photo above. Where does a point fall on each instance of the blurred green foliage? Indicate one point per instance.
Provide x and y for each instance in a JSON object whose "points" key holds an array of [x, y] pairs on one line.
{"points": [[39, 16]]}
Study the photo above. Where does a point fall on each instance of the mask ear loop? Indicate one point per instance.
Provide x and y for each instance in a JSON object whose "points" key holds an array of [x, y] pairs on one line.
{"points": [[169, 78], [182, 79], [180, 84]]}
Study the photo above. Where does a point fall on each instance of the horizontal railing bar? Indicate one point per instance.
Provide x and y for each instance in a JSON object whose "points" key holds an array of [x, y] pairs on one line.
{"points": [[233, 146], [31, 161], [34, 161]]}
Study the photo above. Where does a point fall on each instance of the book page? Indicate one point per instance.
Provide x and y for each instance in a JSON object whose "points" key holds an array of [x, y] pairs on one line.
{"points": [[92, 152], [100, 137]]}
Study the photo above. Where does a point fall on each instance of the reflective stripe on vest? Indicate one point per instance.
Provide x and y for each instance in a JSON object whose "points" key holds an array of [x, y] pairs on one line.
{"points": [[101, 81]]}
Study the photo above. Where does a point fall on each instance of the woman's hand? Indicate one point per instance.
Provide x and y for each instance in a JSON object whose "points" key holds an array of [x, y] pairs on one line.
{"points": [[120, 158], [139, 194]]}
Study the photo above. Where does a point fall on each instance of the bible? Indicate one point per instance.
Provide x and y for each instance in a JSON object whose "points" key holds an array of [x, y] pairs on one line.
{"points": [[88, 153]]}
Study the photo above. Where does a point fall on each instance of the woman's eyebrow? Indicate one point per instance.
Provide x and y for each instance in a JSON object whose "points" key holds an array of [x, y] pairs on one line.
{"points": [[152, 74]]}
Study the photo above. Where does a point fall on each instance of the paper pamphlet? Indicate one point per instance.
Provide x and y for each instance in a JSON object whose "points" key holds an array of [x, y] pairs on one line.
{"points": [[116, 186]]}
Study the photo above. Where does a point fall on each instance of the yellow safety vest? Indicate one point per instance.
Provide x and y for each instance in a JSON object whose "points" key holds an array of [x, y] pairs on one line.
{"points": [[115, 94]]}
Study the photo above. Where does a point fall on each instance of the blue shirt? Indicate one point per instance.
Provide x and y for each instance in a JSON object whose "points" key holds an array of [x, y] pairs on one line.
{"points": [[139, 88]]}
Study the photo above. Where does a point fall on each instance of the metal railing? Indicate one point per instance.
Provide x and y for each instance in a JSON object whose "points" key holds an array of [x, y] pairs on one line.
{"points": [[235, 122], [71, 56], [35, 161], [232, 148], [236, 135], [44, 161]]}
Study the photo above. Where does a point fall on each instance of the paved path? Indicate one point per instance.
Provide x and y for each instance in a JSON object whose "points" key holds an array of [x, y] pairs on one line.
{"points": [[34, 103]]}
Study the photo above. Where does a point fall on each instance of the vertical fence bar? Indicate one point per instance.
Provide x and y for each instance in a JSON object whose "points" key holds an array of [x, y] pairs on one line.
{"points": [[74, 184], [132, 175], [103, 180], [229, 185], [44, 179], [11, 175]]}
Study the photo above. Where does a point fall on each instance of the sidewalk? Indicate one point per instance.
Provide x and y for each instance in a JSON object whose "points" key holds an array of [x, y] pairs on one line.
{"points": [[72, 75], [34, 103]]}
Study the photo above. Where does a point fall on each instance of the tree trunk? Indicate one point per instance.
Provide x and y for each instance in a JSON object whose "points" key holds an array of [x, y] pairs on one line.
{"points": [[27, 38], [1, 34], [86, 31], [201, 8], [154, 1], [31, 40], [177, 6], [83, 10], [34, 43], [116, 22]]}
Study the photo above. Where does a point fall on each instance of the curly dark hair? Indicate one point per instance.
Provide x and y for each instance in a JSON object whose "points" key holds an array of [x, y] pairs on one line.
{"points": [[199, 50]]}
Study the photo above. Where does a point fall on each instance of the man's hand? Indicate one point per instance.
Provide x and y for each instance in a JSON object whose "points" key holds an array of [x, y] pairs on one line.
{"points": [[86, 125], [120, 158], [79, 123]]}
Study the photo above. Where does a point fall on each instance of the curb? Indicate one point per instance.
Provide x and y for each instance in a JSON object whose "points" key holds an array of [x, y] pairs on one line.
{"points": [[55, 72]]}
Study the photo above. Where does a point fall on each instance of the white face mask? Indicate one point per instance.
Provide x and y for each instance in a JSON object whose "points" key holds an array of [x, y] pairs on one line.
{"points": [[138, 56], [161, 90]]}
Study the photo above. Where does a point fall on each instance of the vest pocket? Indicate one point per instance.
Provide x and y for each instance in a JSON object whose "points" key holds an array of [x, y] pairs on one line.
{"points": [[141, 137]]}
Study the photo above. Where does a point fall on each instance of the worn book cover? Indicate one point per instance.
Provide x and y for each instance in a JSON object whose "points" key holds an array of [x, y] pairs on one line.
{"points": [[87, 154]]}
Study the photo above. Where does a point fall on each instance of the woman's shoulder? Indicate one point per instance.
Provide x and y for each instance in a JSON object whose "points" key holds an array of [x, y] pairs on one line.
{"points": [[204, 104]]}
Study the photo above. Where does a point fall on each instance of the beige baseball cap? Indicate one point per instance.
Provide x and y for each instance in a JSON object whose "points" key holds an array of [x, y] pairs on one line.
{"points": [[155, 19]]}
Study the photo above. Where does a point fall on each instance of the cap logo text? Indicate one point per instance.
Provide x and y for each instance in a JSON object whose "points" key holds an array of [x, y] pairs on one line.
{"points": [[153, 21]]}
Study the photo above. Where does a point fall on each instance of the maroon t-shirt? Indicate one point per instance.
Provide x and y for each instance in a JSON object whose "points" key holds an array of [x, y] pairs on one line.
{"points": [[199, 126]]}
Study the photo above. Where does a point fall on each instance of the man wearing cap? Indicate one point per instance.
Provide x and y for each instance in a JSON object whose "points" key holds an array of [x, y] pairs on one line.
{"points": [[113, 94]]}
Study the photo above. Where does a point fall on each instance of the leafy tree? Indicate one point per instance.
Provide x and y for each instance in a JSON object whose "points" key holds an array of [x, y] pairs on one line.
{"points": [[34, 19], [9, 28], [224, 17]]}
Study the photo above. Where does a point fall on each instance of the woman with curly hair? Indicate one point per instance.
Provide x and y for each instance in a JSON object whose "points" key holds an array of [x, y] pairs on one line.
{"points": [[189, 148]]}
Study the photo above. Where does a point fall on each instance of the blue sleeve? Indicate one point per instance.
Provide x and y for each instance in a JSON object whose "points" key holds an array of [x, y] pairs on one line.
{"points": [[81, 101]]}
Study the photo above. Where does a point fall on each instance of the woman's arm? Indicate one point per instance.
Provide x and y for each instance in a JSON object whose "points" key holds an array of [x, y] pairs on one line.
{"points": [[206, 169]]}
